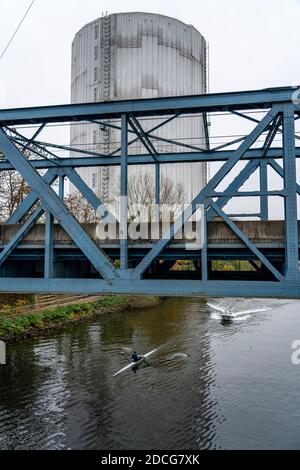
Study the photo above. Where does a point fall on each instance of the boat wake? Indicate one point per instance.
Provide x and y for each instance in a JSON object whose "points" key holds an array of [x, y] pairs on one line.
{"points": [[179, 355], [236, 309]]}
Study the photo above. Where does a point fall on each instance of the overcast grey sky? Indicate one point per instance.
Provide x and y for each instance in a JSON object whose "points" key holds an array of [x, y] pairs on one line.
{"points": [[253, 44]]}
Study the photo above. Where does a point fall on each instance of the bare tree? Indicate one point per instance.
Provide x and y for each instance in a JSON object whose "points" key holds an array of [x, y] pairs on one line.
{"points": [[13, 189], [141, 192], [171, 194], [80, 208]]}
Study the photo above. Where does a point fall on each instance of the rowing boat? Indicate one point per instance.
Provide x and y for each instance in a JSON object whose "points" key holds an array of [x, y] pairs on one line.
{"points": [[137, 363]]}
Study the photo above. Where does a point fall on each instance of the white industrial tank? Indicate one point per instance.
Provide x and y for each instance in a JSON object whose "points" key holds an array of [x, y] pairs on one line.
{"points": [[139, 55]]}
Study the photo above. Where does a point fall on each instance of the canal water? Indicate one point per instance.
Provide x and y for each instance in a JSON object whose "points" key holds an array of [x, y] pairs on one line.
{"points": [[210, 386]]}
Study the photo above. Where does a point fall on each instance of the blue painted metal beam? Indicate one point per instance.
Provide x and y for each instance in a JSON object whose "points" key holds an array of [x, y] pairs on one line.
{"points": [[228, 144], [143, 159], [123, 194], [49, 247], [36, 149], [280, 172], [204, 268], [46, 145], [219, 194], [290, 186], [235, 185], [30, 200], [25, 228], [158, 126], [246, 241], [176, 143], [86, 191], [263, 174], [191, 288], [250, 118], [206, 131], [245, 214], [36, 134], [61, 186], [263, 177], [128, 280], [157, 189], [241, 100], [200, 199], [143, 137]]}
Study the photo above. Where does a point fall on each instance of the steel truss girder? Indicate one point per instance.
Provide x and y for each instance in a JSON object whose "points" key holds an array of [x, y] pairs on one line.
{"points": [[52, 203], [143, 159], [143, 137], [263, 173], [158, 126], [49, 247], [192, 288], [86, 191], [204, 193], [243, 100], [281, 114], [22, 232], [247, 242], [235, 185], [31, 199], [290, 187], [280, 172]]}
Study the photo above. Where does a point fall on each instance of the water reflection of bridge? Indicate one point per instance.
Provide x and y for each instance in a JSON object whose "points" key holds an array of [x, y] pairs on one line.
{"points": [[264, 254]]}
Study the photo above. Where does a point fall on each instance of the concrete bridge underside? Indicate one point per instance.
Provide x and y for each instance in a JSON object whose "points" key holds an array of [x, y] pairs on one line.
{"points": [[176, 262]]}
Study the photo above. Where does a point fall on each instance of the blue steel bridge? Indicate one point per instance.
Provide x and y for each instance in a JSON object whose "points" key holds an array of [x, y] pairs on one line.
{"points": [[62, 255]]}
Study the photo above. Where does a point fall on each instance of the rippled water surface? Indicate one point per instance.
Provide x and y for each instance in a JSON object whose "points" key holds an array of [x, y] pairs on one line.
{"points": [[211, 385]]}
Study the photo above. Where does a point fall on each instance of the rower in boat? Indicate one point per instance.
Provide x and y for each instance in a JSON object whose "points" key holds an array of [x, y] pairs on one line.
{"points": [[136, 357], [135, 363]]}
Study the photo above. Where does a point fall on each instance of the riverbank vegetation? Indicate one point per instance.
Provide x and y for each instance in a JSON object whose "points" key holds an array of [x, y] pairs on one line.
{"points": [[16, 327]]}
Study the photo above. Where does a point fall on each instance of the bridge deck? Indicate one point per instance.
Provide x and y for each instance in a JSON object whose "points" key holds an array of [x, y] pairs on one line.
{"points": [[35, 258], [218, 233]]}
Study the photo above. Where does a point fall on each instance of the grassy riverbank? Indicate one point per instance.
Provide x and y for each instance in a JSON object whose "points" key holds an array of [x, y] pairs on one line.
{"points": [[15, 328]]}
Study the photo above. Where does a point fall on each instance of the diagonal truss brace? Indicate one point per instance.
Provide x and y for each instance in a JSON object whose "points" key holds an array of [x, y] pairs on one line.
{"points": [[53, 204], [144, 138], [139, 131], [9, 248], [158, 126], [223, 171], [234, 186], [31, 199], [279, 171], [86, 191], [20, 212], [246, 241]]}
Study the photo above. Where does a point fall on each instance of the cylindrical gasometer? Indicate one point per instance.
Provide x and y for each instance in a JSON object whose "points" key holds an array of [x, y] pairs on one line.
{"points": [[131, 56]]}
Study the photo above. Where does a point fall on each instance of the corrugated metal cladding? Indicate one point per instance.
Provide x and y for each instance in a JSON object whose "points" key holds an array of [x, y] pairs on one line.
{"points": [[139, 55]]}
